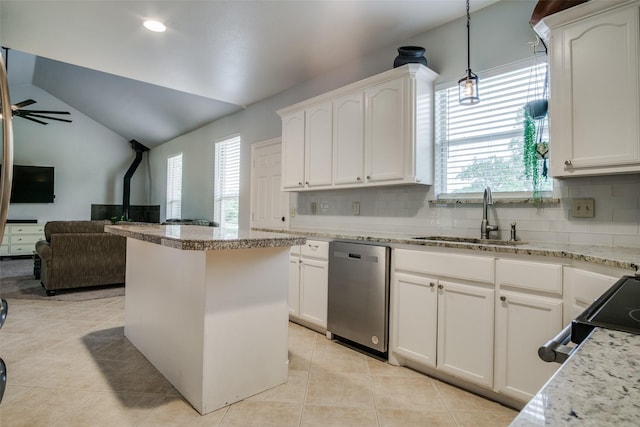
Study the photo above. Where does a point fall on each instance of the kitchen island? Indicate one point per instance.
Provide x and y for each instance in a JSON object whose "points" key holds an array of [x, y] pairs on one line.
{"points": [[208, 308]]}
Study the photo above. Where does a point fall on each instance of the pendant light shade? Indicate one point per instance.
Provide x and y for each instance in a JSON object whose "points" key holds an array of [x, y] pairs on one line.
{"points": [[468, 85]]}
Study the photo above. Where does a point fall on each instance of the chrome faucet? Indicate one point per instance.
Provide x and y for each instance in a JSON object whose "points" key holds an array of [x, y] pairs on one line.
{"points": [[485, 228]]}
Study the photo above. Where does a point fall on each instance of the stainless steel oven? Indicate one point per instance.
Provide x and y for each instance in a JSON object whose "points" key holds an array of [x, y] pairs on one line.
{"points": [[618, 308]]}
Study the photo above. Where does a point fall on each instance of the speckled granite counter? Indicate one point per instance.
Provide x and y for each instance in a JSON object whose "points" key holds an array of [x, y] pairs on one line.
{"points": [[599, 385], [199, 238], [625, 258]]}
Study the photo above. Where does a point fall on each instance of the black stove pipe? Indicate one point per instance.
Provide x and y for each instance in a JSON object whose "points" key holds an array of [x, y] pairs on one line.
{"points": [[126, 191]]}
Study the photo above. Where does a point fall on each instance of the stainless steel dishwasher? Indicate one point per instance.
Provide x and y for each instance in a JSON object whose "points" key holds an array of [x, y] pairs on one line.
{"points": [[358, 302]]}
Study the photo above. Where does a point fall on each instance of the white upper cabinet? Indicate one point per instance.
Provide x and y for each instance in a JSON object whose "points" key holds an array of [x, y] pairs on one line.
{"points": [[348, 139], [318, 145], [381, 133], [594, 106], [293, 151]]}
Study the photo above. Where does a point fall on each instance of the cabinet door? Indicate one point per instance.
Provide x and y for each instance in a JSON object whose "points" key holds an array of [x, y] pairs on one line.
{"points": [[524, 322], [594, 110], [465, 331], [582, 288], [318, 145], [348, 139], [385, 132], [414, 318], [294, 286], [293, 151], [314, 291]]}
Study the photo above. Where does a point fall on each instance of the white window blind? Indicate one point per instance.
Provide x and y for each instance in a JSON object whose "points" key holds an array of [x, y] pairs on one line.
{"points": [[174, 186], [482, 145], [227, 182]]}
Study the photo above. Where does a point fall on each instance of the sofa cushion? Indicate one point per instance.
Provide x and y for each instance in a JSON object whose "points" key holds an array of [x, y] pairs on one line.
{"points": [[55, 227]]}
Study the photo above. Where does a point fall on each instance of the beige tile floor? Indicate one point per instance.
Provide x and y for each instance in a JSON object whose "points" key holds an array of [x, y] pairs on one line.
{"points": [[70, 365]]}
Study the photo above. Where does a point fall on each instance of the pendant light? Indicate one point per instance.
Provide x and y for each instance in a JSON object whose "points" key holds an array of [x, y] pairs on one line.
{"points": [[468, 85]]}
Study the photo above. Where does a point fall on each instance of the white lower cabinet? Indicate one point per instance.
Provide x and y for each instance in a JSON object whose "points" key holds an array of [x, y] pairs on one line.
{"points": [[583, 287], [308, 284], [465, 331], [414, 318], [439, 322], [528, 314]]}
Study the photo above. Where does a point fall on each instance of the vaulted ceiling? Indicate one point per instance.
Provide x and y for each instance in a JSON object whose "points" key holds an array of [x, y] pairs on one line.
{"points": [[216, 57]]}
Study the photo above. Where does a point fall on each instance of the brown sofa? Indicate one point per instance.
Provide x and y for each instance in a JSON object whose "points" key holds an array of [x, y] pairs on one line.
{"points": [[79, 254]]}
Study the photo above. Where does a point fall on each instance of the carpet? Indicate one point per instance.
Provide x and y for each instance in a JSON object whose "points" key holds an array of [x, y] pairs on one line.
{"points": [[17, 282]]}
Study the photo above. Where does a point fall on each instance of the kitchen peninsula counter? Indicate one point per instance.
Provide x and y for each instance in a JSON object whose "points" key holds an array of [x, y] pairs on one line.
{"points": [[598, 385], [208, 308]]}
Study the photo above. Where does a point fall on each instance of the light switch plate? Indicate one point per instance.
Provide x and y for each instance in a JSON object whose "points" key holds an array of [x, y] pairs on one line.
{"points": [[355, 206], [582, 208]]}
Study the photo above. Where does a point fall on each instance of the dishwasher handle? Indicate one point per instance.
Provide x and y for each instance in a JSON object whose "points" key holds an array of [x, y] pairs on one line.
{"points": [[557, 348]]}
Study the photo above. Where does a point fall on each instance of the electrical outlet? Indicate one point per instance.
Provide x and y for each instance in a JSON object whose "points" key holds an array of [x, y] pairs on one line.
{"points": [[356, 208], [582, 208]]}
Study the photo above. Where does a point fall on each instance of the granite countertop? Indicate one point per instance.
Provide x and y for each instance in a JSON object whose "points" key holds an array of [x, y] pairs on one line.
{"points": [[598, 385], [200, 238], [618, 257]]}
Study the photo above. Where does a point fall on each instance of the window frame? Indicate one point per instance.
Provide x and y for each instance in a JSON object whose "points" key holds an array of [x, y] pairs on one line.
{"points": [[221, 196], [174, 192], [453, 85]]}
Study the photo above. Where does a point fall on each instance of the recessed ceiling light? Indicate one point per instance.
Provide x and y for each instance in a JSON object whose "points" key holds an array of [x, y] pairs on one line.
{"points": [[156, 26]]}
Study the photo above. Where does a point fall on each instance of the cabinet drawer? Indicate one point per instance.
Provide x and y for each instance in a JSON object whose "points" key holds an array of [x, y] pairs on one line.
{"points": [[468, 267], [21, 249], [315, 249], [27, 229], [588, 286], [529, 275], [23, 239], [294, 250]]}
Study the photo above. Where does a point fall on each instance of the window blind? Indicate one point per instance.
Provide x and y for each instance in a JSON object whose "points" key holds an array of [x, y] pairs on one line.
{"points": [[482, 145], [227, 182], [174, 186]]}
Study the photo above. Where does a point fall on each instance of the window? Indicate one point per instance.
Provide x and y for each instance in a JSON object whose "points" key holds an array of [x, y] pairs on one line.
{"points": [[174, 186], [226, 182], [482, 145]]}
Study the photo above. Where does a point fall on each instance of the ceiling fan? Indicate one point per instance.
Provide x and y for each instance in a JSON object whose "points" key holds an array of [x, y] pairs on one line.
{"points": [[38, 116]]}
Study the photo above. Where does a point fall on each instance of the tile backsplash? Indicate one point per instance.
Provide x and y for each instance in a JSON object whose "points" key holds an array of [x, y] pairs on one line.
{"points": [[406, 210]]}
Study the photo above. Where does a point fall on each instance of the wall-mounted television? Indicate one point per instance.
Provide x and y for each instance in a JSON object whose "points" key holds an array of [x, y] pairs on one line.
{"points": [[32, 184]]}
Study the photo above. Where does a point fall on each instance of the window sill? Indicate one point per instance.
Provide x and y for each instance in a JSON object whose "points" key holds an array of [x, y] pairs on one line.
{"points": [[545, 201]]}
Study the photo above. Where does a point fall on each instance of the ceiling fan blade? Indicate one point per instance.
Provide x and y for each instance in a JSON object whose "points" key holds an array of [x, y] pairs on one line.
{"points": [[45, 112], [33, 120], [28, 115], [24, 103]]}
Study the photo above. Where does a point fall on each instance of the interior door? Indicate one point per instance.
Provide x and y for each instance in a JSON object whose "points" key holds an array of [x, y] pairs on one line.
{"points": [[269, 204]]}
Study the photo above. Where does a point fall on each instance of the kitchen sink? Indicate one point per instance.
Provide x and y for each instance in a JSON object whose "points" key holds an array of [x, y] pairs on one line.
{"points": [[470, 240]]}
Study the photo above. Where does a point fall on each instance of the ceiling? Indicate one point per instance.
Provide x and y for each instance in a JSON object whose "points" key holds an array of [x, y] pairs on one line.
{"points": [[216, 57]]}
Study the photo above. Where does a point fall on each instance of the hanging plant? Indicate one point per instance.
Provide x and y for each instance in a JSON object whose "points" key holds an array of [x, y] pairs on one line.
{"points": [[535, 153]]}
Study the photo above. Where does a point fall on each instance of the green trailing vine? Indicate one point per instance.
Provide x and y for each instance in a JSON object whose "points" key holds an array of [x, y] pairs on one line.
{"points": [[531, 163]]}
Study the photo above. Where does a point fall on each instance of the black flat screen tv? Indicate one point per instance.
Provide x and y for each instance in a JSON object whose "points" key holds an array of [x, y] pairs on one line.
{"points": [[32, 184]]}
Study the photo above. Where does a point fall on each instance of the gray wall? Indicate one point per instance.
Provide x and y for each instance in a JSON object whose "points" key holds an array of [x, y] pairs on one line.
{"points": [[500, 34], [89, 160]]}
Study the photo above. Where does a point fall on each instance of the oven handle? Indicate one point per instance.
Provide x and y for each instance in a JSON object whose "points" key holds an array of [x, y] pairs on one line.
{"points": [[556, 349]]}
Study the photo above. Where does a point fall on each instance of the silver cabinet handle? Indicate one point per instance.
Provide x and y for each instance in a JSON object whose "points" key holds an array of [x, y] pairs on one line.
{"points": [[306, 182], [567, 162], [440, 287], [503, 298], [368, 177], [300, 184], [431, 284], [358, 178]]}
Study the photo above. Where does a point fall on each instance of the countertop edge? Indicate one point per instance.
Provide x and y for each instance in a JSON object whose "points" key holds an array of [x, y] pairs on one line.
{"points": [[156, 234], [590, 254]]}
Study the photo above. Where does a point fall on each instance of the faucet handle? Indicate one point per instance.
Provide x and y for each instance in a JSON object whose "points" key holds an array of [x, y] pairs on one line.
{"points": [[513, 232]]}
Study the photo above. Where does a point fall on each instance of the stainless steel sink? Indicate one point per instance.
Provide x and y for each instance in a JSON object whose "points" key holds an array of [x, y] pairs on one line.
{"points": [[470, 240]]}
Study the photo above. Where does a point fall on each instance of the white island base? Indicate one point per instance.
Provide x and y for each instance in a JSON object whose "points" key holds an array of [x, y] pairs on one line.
{"points": [[213, 322]]}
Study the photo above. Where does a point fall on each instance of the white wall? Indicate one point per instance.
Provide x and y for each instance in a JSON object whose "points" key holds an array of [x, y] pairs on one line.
{"points": [[90, 161]]}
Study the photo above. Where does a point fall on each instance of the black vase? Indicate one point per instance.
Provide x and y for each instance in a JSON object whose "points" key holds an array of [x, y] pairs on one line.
{"points": [[410, 55]]}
